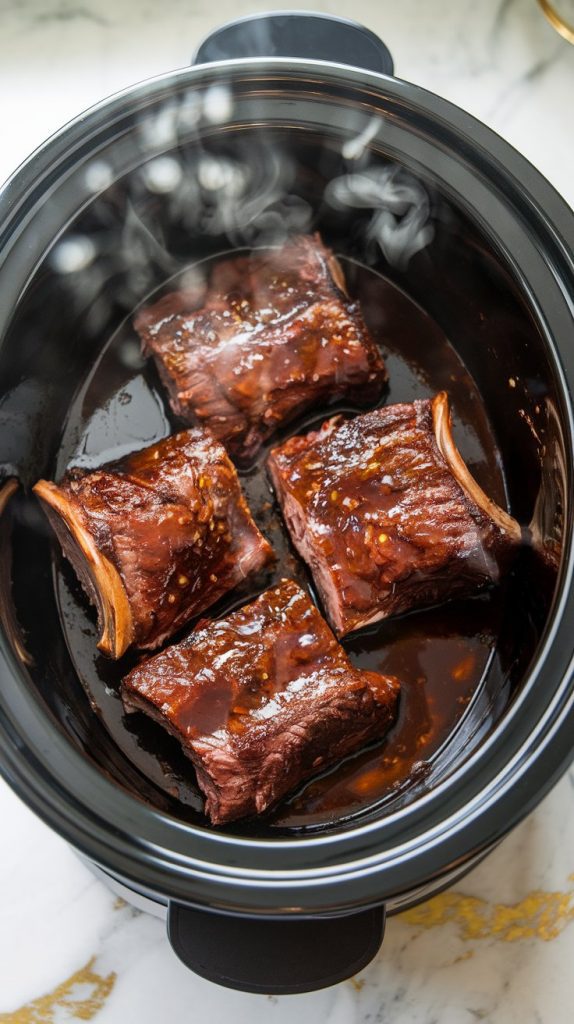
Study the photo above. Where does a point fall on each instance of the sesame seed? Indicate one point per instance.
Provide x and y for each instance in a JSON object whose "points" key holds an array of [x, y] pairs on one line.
{"points": [[264, 675], [171, 598], [334, 495], [213, 578], [183, 581], [383, 538], [182, 520], [156, 454]]}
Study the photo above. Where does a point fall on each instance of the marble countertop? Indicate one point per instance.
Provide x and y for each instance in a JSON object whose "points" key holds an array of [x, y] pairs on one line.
{"points": [[497, 948]]}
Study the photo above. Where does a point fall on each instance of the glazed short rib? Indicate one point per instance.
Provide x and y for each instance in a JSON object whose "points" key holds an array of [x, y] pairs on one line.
{"points": [[156, 537], [262, 700], [267, 337], [386, 514]]}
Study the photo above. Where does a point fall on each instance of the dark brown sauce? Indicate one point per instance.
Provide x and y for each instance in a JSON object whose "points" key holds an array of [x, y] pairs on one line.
{"points": [[441, 655]]}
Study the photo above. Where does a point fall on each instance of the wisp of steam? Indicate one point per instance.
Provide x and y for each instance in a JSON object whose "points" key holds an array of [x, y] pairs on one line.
{"points": [[400, 222], [245, 196]]}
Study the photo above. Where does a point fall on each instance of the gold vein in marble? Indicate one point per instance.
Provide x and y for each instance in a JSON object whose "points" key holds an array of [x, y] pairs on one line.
{"points": [[540, 915], [468, 955], [81, 997]]}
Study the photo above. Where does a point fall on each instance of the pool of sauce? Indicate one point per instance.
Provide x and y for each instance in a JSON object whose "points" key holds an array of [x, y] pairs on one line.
{"points": [[441, 655]]}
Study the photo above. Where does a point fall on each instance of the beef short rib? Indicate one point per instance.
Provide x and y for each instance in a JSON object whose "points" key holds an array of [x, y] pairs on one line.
{"points": [[270, 335], [387, 516], [156, 537], [261, 700]]}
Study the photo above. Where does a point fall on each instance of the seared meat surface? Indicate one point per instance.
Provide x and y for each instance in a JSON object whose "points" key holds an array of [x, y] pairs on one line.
{"points": [[386, 514], [156, 537], [270, 335], [261, 700]]}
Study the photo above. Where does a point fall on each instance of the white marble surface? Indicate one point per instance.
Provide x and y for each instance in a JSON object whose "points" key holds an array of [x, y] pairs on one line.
{"points": [[499, 948]]}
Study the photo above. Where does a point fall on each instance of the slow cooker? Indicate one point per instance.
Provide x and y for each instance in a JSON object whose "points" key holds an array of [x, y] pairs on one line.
{"points": [[250, 140]]}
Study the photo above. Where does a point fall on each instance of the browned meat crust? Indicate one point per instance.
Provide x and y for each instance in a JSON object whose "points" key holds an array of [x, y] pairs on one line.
{"points": [[270, 335], [262, 700], [386, 514], [157, 537]]}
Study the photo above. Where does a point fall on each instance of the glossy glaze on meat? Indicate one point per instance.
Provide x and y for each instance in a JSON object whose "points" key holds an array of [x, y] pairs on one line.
{"points": [[270, 335], [385, 513], [157, 537], [262, 700]]}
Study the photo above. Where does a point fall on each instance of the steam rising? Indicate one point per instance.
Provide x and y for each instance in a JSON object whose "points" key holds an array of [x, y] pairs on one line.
{"points": [[400, 223], [355, 147], [244, 195]]}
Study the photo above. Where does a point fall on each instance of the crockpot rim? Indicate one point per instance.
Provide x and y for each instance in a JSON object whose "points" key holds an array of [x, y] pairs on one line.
{"points": [[122, 853]]}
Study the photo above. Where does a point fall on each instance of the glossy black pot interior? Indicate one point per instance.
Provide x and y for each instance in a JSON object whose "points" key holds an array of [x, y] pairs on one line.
{"points": [[150, 183]]}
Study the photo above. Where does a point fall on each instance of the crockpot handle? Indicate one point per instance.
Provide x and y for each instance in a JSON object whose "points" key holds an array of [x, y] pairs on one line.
{"points": [[274, 957], [297, 34]]}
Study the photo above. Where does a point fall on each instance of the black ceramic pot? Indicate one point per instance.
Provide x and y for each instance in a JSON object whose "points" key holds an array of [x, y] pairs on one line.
{"points": [[91, 223]]}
